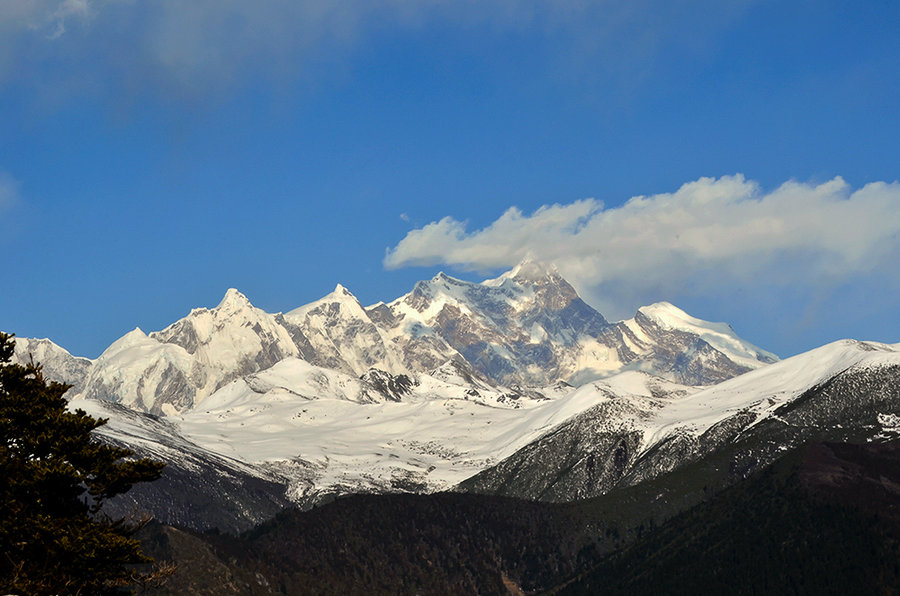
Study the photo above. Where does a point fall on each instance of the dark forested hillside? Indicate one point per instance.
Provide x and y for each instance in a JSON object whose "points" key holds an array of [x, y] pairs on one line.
{"points": [[385, 544], [823, 519]]}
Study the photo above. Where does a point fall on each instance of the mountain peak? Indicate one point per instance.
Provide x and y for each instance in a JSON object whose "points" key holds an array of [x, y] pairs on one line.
{"points": [[340, 295], [136, 333], [664, 312], [341, 291], [233, 300], [528, 270], [133, 338], [720, 336], [668, 316]]}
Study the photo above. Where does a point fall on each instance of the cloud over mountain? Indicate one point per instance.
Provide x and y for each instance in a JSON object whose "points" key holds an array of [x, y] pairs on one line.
{"points": [[711, 231]]}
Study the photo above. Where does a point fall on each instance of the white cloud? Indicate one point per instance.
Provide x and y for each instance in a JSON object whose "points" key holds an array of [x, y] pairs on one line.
{"points": [[709, 235]]}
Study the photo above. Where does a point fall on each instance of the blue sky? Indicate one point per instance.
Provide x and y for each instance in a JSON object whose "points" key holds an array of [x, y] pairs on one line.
{"points": [[153, 155]]}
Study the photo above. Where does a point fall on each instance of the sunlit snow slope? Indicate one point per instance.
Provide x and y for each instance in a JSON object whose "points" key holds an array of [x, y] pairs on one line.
{"points": [[325, 439]]}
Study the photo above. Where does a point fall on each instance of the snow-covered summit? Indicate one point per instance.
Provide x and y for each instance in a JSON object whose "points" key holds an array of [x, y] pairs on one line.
{"points": [[134, 337], [142, 373], [339, 296], [233, 301], [233, 336], [719, 335], [337, 332], [527, 270], [177, 367], [669, 316]]}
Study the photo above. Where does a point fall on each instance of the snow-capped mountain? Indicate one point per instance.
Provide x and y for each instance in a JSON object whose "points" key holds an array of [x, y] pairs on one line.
{"points": [[664, 340], [528, 327], [339, 334], [444, 387], [418, 394], [145, 374], [524, 330]]}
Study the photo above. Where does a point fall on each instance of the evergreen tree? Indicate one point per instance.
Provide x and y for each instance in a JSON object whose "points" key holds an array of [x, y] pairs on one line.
{"points": [[54, 479]]}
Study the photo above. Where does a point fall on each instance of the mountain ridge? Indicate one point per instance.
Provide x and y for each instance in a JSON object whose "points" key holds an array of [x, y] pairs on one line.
{"points": [[526, 328]]}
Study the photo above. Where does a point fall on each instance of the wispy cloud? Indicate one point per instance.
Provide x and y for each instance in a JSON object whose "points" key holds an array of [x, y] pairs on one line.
{"points": [[709, 234], [9, 191], [195, 46], [67, 10]]}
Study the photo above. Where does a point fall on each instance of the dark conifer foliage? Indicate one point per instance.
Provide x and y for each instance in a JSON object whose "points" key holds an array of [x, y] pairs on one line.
{"points": [[55, 479], [825, 519], [442, 543]]}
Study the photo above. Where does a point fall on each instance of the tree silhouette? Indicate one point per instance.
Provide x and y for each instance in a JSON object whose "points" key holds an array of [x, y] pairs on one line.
{"points": [[54, 478]]}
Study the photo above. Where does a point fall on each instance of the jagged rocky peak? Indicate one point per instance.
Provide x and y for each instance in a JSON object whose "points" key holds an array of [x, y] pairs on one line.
{"points": [[233, 327], [340, 334], [425, 291], [550, 301], [188, 360], [542, 282], [518, 328], [528, 286]]}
